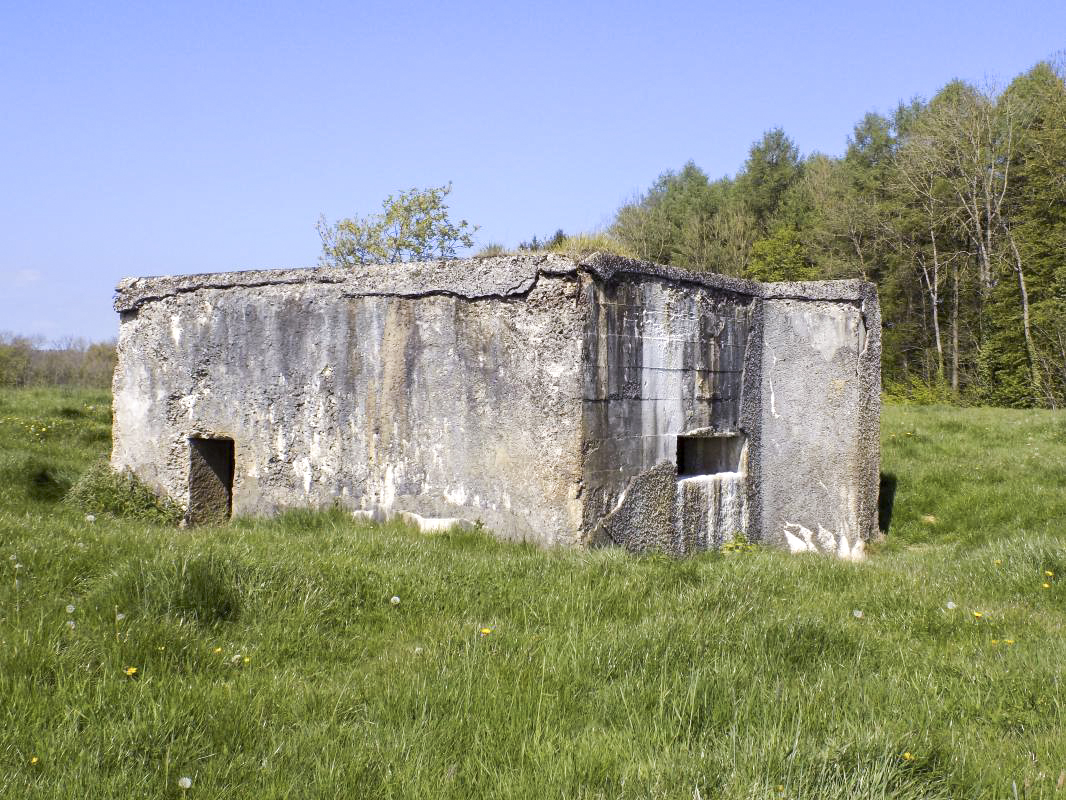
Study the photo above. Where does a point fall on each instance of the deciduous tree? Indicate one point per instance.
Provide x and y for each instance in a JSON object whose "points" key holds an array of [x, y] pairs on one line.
{"points": [[413, 226]]}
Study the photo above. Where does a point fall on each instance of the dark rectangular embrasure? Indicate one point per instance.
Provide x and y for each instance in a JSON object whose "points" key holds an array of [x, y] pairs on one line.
{"points": [[210, 481], [706, 455]]}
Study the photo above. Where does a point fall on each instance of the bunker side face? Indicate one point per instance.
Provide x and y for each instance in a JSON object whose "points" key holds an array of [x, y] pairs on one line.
{"points": [[671, 370], [820, 417], [560, 401], [716, 408], [448, 390]]}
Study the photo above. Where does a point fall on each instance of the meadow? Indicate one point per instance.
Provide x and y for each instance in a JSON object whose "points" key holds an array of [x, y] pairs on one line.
{"points": [[312, 655]]}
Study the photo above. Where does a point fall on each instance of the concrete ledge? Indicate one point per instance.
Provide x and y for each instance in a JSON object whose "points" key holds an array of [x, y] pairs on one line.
{"points": [[472, 278], [423, 524], [469, 278]]}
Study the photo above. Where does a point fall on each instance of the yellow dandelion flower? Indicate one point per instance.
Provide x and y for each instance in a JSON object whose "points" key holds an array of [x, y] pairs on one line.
{"points": [[217, 650], [246, 659], [130, 671], [1049, 573], [1046, 585], [1009, 641], [995, 642], [485, 631], [34, 760], [977, 615], [998, 562], [908, 756]]}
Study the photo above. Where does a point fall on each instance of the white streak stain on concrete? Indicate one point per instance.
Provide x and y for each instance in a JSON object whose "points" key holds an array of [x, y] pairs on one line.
{"points": [[301, 467], [801, 539], [770, 378], [456, 496]]}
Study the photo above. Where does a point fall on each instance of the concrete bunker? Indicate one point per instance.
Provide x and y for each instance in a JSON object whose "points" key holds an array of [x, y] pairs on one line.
{"points": [[568, 402]]}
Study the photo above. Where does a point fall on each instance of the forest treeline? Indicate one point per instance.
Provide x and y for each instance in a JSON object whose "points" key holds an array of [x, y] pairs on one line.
{"points": [[28, 361], [955, 207]]}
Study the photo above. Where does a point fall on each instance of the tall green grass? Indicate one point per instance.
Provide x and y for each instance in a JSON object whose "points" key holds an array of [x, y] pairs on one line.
{"points": [[271, 662]]}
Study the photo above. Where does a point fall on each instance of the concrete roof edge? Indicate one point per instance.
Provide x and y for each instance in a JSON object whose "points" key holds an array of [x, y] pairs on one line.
{"points": [[842, 290], [608, 266], [499, 276]]}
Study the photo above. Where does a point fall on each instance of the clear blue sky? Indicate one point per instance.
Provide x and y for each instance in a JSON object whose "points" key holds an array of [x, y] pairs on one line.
{"points": [[150, 138]]}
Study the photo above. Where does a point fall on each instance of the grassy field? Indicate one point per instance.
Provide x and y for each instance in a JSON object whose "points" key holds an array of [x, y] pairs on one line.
{"points": [[270, 661]]}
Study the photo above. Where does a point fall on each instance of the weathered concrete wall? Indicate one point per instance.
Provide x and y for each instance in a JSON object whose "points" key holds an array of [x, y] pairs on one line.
{"points": [[663, 358], [774, 391], [456, 395], [820, 420], [565, 402]]}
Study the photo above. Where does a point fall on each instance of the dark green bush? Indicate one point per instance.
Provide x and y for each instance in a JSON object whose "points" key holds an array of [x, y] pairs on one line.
{"points": [[102, 490]]}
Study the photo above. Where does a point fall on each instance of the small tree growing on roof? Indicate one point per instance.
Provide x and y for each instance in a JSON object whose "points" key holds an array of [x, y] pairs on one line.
{"points": [[413, 226]]}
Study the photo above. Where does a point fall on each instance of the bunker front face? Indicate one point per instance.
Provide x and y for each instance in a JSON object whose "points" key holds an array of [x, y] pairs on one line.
{"points": [[569, 402]]}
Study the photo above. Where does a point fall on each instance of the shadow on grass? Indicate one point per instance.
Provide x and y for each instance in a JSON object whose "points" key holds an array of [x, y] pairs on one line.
{"points": [[208, 589], [47, 485], [886, 499]]}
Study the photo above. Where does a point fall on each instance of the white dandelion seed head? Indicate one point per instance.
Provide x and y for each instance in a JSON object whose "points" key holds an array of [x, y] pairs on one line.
{"points": [[857, 614], [120, 616], [394, 600], [950, 605], [185, 782], [18, 565], [70, 609], [90, 518], [418, 651], [12, 557]]}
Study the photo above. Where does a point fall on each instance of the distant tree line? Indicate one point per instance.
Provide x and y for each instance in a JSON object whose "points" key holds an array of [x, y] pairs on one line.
{"points": [[26, 361], [955, 207]]}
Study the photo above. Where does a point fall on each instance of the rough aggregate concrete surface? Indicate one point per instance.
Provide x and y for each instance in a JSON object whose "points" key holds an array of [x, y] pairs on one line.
{"points": [[541, 395]]}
